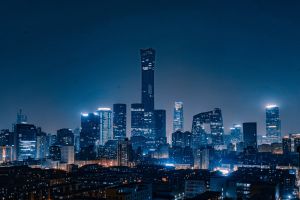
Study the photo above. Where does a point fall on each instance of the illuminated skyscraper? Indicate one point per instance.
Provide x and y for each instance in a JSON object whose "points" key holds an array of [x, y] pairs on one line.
{"points": [[42, 145], [124, 152], [137, 119], [25, 135], [286, 145], [236, 133], [90, 129], [119, 121], [205, 125], [181, 139], [65, 137], [273, 124], [105, 115], [147, 64], [160, 126], [178, 117]]}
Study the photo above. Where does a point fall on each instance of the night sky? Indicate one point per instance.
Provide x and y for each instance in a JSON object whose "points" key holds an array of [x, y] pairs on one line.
{"points": [[59, 58]]}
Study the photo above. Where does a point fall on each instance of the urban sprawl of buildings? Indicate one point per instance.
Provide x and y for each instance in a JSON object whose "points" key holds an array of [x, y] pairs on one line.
{"points": [[99, 160]]}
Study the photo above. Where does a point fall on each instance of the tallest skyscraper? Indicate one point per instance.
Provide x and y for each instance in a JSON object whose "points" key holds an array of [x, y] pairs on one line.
{"points": [[147, 64]]}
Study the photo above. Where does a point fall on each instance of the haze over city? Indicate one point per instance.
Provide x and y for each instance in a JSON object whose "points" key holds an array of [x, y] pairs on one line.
{"points": [[61, 58]]}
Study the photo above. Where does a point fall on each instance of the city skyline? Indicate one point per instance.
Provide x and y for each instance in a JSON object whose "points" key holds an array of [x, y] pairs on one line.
{"points": [[150, 100], [207, 65]]}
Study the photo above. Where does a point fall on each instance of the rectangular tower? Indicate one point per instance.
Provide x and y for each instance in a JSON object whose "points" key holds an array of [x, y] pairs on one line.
{"points": [[147, 64], [273, 124], [250, 134], [178, 117], [119, 121]]}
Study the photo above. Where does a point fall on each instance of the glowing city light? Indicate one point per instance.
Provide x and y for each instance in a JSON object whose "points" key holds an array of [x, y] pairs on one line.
{"points": [[270, 106], [104, 109]]}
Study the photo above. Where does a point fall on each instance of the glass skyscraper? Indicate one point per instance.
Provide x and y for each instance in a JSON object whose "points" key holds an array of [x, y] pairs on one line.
{"points": [[90, 129], [208, 125], [147, 64], [65, 137], [160, 126], [273, 124], [236, 133], [105, 115], [178, 117], [25, 135], [137, 119], [119, 121]]}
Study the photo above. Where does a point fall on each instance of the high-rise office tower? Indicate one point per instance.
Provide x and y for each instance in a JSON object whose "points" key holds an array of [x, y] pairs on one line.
{"points": [[160, 126], [273, 124], [6, 137], [90, 129], [216, 126], [65, 137], [137, 119], [25, 137], [286, 145], [105, 115], [124, 152], [236, 133], [208, 124], [148, 64], [181, 139], [42, 146], [250, 134], [178, 117], [54, 153], [77, 139], [201, 158], [119, 121]]}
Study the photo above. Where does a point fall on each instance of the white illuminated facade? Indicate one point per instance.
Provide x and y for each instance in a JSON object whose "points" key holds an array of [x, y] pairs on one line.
{"points": [[178, 117], [105, 115], [273, 124]]}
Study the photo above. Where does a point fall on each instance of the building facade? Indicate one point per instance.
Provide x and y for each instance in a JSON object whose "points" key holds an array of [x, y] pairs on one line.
{"points": [[250, 134], [273, 124], [178, 119], [119, 121]]}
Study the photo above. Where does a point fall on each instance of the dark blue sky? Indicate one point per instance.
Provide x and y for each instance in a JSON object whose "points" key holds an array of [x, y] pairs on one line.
{"points": [[58, 58]]}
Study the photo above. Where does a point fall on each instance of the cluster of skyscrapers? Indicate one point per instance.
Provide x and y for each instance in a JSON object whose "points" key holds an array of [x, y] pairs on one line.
{"points": [[103, 132]]}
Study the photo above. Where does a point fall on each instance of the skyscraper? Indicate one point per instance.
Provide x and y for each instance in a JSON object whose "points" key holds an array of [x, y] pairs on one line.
{"points": [[65, 137], [273, 124], [178, 117], [25, 137], [42, 145], [90, 129], [148, 64], [137, 119], [236, 133], [286, 145], [105, 115], [250, 134], [205, 125], [160, 126], [119, 121], [124, 152], [181, 139]]}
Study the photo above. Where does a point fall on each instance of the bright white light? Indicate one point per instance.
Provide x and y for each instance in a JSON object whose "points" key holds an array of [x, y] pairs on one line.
{"points": [[84, 114], [169, 165], [269, 106], [104, 109]]}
